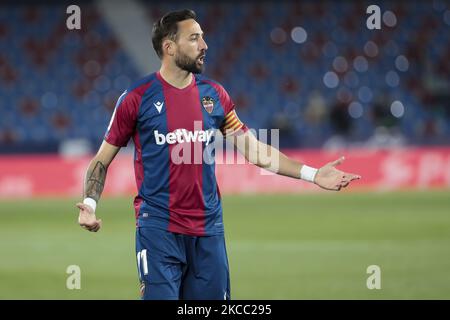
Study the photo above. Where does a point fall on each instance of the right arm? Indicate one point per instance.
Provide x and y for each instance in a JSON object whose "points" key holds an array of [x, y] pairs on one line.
{"points": [[120, 130], [93, 186]]}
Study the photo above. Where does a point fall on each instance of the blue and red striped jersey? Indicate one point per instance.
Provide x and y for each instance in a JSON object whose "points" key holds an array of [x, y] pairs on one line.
{"points": [[171, 128]]}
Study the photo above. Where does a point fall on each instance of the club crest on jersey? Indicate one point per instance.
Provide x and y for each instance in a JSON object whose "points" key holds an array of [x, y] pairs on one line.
{"points": [[208, 104]]}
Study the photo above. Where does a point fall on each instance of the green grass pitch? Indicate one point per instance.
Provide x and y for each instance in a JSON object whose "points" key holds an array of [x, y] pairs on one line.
{"points": [[311, 246]]}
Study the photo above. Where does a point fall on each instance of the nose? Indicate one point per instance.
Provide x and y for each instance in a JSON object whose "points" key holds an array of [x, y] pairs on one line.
{"points": [[203, 45]]}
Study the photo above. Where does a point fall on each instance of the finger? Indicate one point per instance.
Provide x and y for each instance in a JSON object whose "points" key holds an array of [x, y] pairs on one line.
{"points": [[81, 206], [351, 177], [99, 224], [345, 184], [85, 225], [96, 226], [92, 227], [337, 162]]}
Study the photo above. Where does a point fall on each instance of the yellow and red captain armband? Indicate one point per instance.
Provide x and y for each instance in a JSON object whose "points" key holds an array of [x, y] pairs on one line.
{"points": [[232, 124]]}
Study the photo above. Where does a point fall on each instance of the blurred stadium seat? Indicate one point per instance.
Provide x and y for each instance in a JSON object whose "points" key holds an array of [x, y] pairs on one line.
{"points": [[277, 59]]}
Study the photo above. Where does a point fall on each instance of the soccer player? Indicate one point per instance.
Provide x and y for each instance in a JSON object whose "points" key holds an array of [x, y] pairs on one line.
{"points": [[180, 244]]}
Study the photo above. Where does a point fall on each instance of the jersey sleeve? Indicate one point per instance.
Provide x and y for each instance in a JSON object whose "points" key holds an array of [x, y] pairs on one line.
{"points": [[123, 121], [231, 124]]}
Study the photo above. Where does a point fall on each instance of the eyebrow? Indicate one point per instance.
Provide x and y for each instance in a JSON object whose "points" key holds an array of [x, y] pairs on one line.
{"points": [[197, 34]]}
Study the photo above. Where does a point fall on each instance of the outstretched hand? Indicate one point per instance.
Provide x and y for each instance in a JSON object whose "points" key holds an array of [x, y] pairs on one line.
{"points": [[87, 218], [330, 178]]}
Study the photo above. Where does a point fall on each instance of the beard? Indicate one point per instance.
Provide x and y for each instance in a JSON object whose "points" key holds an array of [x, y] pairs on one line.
{"points": [[188, 64]]}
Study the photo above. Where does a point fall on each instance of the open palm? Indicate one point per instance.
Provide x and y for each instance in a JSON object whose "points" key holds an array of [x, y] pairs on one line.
{"points": [[330, 178]]}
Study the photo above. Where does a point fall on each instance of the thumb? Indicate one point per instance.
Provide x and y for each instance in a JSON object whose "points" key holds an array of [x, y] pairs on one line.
{"points": [[337, 162], [85, 208]]}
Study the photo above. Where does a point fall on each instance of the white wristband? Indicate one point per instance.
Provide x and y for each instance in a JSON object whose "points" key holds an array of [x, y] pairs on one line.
{"points": [[308, 173], [90, 202]]}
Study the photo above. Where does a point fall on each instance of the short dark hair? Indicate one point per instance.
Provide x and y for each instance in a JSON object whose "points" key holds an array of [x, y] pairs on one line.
{"points": [[167, 27]]}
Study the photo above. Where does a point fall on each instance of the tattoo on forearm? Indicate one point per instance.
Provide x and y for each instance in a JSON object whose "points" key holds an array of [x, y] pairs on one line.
{"points": [[95, 181]]}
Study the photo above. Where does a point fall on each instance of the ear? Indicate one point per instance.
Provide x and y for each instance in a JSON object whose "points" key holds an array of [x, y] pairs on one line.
{"points": [[168, 47]]}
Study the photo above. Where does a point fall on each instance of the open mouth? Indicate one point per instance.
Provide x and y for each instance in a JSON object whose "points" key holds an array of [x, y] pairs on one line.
{"points": [[201, 59]]}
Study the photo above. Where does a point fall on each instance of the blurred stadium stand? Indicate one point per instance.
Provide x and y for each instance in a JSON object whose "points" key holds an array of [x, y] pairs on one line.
{"points": [[311, 69]]}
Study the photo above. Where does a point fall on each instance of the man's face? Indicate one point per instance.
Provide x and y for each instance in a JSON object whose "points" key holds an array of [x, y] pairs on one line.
{"points": [[190, 47]]}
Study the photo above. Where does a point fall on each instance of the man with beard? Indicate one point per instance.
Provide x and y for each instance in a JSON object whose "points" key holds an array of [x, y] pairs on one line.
{"points": [[180, 244]]}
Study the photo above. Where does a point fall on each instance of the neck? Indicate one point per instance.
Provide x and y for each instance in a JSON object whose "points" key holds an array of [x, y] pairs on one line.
{"points": [[175, 76]]}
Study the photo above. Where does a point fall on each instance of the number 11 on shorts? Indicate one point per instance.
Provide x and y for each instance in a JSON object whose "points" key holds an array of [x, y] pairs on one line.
{"points": [[142, 259]]}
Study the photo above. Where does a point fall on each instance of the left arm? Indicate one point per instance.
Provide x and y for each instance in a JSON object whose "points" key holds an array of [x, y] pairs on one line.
{"points": [[267, 157]]}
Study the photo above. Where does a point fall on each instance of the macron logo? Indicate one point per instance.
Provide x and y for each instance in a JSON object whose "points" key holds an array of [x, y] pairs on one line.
{"points": [[183, 135], [158, 105]]}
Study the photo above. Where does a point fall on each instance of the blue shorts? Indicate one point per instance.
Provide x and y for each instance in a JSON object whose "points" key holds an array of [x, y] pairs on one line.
{"points": [[176, 266]]}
